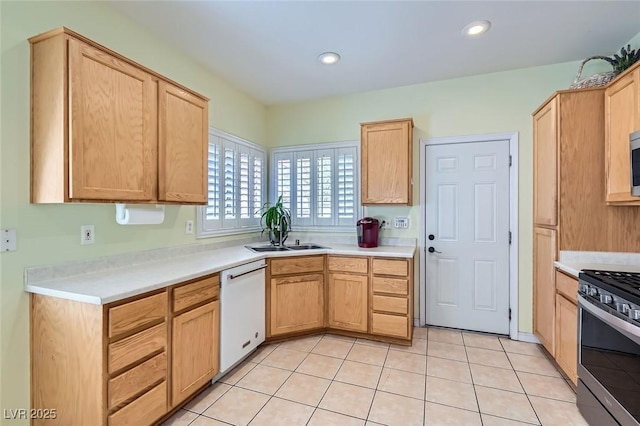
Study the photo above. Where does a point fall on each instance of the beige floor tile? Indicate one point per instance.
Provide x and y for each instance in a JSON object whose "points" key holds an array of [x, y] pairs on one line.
{"points": [[413, 363], [284, 358], [532, 364], [402, 383], [329, 418], [445, 336], [347, 399], [420, 333], [339, 337], [443, 415], [483, 341], [357, 373], [448, 369], [320, 366], [368, 354], [495, 377], [488, 420], [264, 379], [234, 376], [238, 406], [389, 409], [281, 412], [333, 347], [418, 346], [510, 405], [181, 418], [207, 397], [446, 350], [303, 389], [372, 343], [547, 387], [524, 348], [454, 394], [206, 421], [488, 357], [262, 352], [552, 412], [303, 344]]}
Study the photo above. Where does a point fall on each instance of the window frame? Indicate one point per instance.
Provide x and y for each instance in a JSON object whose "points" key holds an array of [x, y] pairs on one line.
{"points": [[207, 228], [312, 151]]}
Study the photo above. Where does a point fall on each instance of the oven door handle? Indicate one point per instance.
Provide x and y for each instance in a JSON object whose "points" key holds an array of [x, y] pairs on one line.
{"points": [[620, 325]]}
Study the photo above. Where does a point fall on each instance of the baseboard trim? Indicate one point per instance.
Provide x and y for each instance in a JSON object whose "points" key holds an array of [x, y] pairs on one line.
{"points": [[416, 322], [528, 337]]}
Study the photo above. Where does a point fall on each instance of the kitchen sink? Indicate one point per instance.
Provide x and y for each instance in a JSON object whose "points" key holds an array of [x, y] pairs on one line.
{"points": [[309, 246]]}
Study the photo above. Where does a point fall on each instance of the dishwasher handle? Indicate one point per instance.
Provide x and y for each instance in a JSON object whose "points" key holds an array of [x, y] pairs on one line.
{"points": [[231, 277]]}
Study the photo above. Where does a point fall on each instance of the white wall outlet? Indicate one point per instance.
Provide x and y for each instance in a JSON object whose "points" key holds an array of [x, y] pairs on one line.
{"points": [[188, 227], [386, 224], [8, 242], [401, 222], [87, 234]]}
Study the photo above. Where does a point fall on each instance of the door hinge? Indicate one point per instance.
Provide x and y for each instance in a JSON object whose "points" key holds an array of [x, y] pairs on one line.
{"points": [[509, 237], [509, 314], [510, 160]]}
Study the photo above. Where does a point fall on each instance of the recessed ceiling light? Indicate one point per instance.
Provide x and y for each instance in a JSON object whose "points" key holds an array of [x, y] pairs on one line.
{"points": [[329, 58], [476, 28]]}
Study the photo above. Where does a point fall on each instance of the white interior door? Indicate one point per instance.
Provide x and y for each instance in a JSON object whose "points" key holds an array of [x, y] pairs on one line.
{"points": [[467, 224]]}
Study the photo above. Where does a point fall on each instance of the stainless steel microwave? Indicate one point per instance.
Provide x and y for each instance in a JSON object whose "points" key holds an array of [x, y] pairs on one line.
{"points": [[634, 140]]}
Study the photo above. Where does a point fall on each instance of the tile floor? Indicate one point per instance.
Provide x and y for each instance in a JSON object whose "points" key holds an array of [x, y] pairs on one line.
{"points": [[446, 378]]}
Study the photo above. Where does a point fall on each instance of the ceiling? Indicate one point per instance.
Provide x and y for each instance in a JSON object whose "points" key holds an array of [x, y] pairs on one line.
{"points": [[269, 49]]}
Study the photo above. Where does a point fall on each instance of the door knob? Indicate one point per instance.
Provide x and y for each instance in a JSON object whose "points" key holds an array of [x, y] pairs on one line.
{"points": [[432, 250], [432, 237]]}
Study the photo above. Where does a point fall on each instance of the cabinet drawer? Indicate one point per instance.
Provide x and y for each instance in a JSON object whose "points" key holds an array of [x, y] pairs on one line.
{"points": [[398, 268], [127, 351], [390, 285], [357, 265], [144, 410], [567, 286], [191, 294], [389, 325], [136, 380], [295, 265], [136, 314], [396, 305]]}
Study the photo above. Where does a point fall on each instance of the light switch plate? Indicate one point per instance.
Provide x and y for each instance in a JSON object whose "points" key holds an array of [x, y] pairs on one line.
{"points": [[401, 222], [8, 242], [87, 234]]}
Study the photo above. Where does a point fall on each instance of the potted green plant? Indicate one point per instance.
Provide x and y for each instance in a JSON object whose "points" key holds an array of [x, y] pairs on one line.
{"points": [[625, 59], [276, 218]]}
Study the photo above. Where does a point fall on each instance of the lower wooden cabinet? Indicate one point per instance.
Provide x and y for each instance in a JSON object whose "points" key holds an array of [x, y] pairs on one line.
{"points": [[391, 297], [297, 303], [347, 305], [567, 337], [194, 350], [544, 287], [111, 364]]}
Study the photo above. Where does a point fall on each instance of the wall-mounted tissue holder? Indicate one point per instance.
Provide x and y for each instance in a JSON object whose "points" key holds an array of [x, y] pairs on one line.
{"points": [[139, 214]]}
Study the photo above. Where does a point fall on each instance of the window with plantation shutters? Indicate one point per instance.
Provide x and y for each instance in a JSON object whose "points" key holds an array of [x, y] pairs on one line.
{"points": [[319, 184], [237, 186]]}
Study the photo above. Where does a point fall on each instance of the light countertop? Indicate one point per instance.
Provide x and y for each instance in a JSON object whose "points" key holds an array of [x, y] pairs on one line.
{"points": [[574, 268], [116, 282], [572, 262]]}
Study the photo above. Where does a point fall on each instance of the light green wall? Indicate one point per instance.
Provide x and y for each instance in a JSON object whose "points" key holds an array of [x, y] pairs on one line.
{"points": [[49, 234], [492, 103]]}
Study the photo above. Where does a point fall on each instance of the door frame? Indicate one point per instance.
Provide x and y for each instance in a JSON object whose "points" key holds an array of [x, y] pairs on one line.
{"points": [[513, 218]]}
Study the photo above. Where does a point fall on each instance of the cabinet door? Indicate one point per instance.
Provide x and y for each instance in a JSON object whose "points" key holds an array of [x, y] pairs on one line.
{"points": [[545, 148], [387, 162], [297, 303], [112, 127], [183, 145], [348, 295], [544, 288], [621, 118], [195, 350], [567, 337]]}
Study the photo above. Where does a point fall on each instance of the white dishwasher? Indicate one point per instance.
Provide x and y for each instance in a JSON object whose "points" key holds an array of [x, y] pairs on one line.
{"points": [[242, 315]]}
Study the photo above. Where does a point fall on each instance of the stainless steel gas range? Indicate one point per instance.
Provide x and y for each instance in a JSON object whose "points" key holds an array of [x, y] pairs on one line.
{"points": [[609, 348]]}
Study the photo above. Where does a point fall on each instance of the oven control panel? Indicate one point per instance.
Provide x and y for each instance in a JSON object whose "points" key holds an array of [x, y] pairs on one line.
{"points": [[612, 301]]}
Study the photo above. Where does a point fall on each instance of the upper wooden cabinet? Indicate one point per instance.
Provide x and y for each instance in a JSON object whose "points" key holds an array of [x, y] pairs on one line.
{"points": [[545, 135], [106, 129], [622, 117], [387, 162]]}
